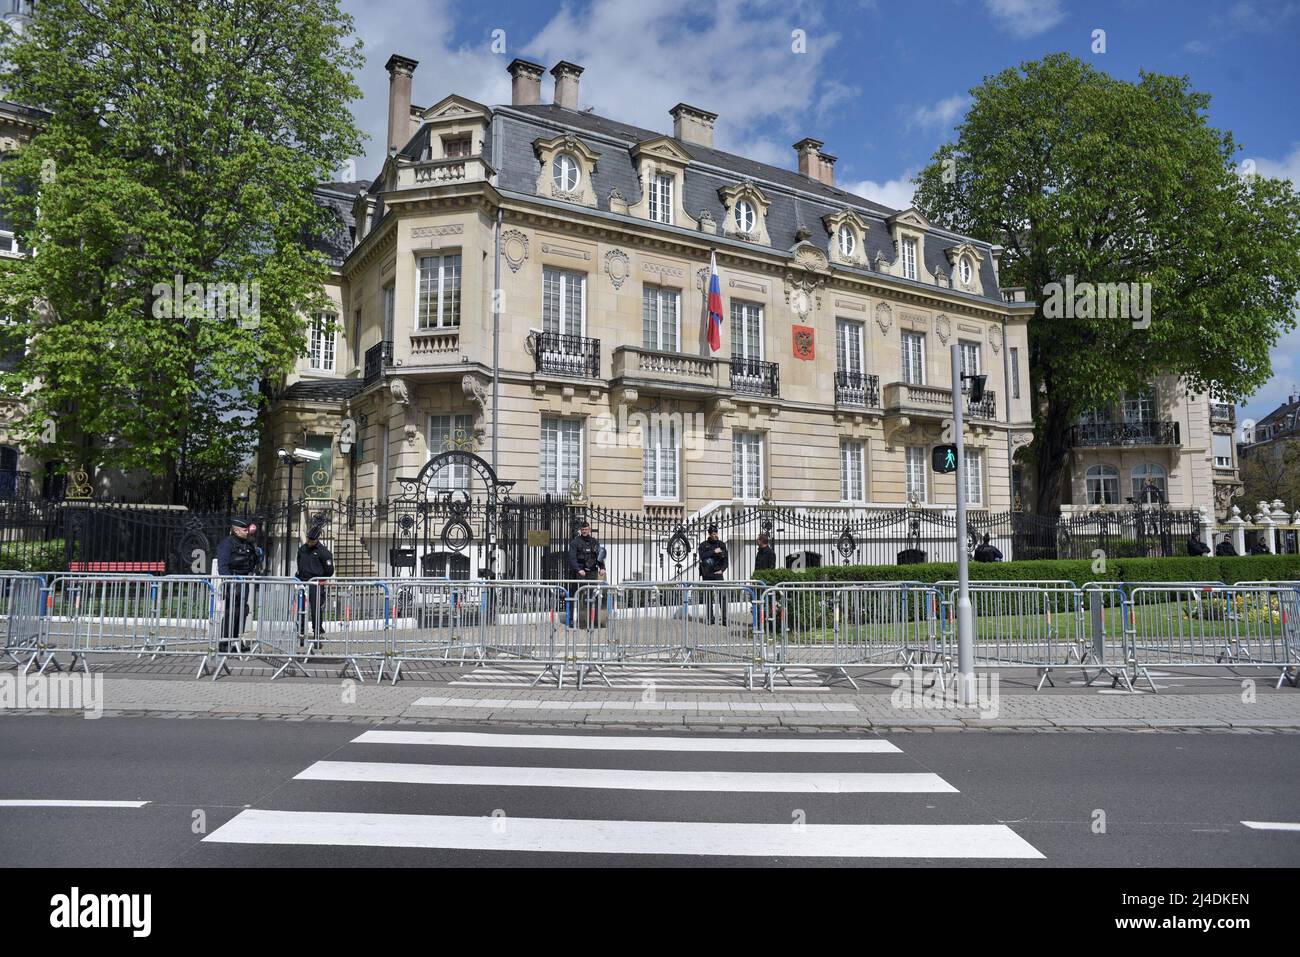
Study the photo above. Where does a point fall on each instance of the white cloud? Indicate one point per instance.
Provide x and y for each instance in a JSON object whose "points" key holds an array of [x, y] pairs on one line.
{"points": [[1025, 18], [1288, 168], [894, 193], [942, 114]]}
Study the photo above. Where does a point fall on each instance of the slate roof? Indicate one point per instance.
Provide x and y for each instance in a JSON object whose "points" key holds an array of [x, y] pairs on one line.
{"points": [[1284, 419], [337, 241], [796, 199]]}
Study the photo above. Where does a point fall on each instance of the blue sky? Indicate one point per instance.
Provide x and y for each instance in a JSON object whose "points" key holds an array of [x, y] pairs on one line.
{"points": [[881, 82]]}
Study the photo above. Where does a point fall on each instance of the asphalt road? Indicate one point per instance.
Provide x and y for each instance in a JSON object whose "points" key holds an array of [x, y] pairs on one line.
{"points": [[268, 793]]}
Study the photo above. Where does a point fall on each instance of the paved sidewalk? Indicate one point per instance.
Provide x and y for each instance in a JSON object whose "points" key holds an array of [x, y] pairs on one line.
{"points": [[322, 699]]}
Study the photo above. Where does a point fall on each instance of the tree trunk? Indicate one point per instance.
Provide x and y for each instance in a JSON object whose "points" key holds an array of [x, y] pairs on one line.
{"points": [[1053, 451]]}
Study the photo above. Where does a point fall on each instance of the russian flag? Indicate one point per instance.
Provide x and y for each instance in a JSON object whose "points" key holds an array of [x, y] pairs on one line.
{"points": [[715, 305]]}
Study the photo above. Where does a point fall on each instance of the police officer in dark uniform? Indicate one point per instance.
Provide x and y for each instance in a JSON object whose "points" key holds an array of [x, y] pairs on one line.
{"points": [[984, 552], [1225, 549], [314, 563], [766, 557], [586, 563], [1196, 547], [713, 567], [237, 555]]}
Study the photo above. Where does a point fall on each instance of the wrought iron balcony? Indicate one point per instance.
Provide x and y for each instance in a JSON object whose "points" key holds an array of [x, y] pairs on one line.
{"points": [[985, 408], [378, 357], [1102, 434], [857, 388], [751, 377], [560, 354]]}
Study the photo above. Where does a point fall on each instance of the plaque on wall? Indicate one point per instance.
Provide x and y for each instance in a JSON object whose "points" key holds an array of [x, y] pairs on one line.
{"points": [[803, 342]]}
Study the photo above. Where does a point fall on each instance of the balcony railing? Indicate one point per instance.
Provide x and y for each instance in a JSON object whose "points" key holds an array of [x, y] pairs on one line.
{"points": [[751, 377], [1097, 434], [1220, 412], [857, 388], [985, 408], [378, 357], [560, 354], [675, 371]]}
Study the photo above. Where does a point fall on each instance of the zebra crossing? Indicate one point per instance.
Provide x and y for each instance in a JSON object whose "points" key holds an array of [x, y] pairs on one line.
{"points": [[453, 796], [698, 678]]}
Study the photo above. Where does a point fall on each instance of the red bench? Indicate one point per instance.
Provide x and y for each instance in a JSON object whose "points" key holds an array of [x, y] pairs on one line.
{"points": [[149, 568]]}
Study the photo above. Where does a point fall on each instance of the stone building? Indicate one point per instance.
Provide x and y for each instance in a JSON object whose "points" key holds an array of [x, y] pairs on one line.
{"points": [[829, 389]]}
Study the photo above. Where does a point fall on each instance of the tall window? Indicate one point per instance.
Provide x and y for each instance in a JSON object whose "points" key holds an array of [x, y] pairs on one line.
{"points": [[852, 474], [8, 238], [1222, 451], [439, 294], [564, 171], [974, 462], [916, 473], [848, 346], [661, 198], [13, 344], [660, 458], [1103, 485], [390, 299], [1140, 406], [747, 465], [913, 358], [746, 330], [564, 301], [970, 359], [744, 217], [381, 492], [909, 258], [1015, 372], [356, 337], [661, 313], [561, 464], [848, 242], [442, 432], [321, 343], [1149, 474]]}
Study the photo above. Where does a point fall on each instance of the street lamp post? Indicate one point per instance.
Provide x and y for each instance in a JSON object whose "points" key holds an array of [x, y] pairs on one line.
{"points": [[965, 616]]}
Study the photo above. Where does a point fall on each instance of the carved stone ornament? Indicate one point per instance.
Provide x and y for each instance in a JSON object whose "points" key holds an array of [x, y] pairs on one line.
{"points": [[941, 278], [617, 266], [514, 245], [477, 393], [882, 264], [702, 278], [616, 196], [942, 328], [706, 219], [397, 387], [884, 318], [995, 338], [412, 433], [1020, 439]]}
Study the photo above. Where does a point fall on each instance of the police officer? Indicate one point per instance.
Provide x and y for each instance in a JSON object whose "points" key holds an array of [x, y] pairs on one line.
{"points": [[984, 552], [1224, 549], [237, 555], [314, 563], [713, 567], [1195, 546], [766, 557], [586, 563]]}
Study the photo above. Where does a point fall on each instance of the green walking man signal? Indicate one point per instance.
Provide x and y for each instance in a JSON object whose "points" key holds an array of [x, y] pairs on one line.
{"points": [[944, 459]]}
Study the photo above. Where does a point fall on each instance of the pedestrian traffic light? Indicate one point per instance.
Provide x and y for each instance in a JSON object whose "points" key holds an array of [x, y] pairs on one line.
{"points": [[944, 459]]}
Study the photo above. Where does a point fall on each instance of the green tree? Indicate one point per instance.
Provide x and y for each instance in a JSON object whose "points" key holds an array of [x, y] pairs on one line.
{"points": [[1079, 174], [184, 141], [1271, 472]]}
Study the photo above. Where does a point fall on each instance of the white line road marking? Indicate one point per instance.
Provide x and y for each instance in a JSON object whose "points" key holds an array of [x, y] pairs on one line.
{"points": [[625, 837], [56, 803], [1272, 825], [637, 743], [627, 780]]}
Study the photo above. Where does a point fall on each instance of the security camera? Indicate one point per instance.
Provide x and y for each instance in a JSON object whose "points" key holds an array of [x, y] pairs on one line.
{"points": [[308, 455]]}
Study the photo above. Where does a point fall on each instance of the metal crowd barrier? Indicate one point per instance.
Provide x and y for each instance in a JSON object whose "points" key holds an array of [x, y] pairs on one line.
{"points": [[20, 605], [1176, 625], [862, 625]]}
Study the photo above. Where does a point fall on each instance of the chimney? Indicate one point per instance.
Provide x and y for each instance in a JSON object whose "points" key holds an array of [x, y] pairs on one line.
{"points": [[566, 84], [828, 168], [400, 69], [813, 163], [692, 125], [526, 82]]}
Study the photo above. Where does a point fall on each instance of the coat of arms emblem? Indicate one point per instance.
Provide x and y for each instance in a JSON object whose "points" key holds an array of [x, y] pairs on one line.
{"points": [[803, 342]]}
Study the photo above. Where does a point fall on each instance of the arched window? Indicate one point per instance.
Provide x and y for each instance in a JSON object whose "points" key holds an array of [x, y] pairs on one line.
{"points": [[848, 242], [1146, 477], [1103, 485], [565, 172], [744, 217]]}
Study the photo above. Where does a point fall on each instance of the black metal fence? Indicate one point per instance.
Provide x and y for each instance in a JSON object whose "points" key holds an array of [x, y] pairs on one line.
{"points": [[453, 536]]}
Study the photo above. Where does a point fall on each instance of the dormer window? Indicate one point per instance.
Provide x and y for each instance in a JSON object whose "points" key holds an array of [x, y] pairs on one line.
{"points": [[565, 172], [909, 258], [964, 270], [744, 217], [848, 242], [456, 148], [661, 199]]}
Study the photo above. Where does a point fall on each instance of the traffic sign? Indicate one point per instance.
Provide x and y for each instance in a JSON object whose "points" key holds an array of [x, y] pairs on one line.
{"points": [[944, 459]]}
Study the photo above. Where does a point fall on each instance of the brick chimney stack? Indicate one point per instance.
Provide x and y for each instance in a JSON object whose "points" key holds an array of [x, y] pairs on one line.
{"points": [[400, 70]]}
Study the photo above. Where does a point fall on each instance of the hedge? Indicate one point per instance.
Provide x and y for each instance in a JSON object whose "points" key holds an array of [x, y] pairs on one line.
{"points": [[1179, 568], [31, 556]]}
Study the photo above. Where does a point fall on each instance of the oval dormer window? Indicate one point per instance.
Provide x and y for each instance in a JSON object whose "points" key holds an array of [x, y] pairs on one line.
{"points": [[848, 242], [964, 270], [565, 172], [744, 217]]}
